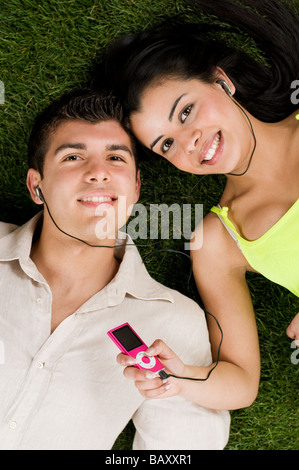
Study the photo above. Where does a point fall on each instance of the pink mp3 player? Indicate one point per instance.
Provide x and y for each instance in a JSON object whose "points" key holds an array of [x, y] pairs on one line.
{"points": [[127, 340]]}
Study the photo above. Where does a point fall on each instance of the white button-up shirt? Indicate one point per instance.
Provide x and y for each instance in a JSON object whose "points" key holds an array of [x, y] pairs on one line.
{"points": [[65, 390]]}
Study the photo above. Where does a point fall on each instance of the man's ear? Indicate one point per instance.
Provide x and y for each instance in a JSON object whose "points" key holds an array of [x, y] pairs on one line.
{"points": [[33, 180], [138, 185]]}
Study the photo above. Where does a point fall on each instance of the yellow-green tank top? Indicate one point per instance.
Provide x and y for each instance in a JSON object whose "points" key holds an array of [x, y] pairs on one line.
{"points": [[275, 254]]}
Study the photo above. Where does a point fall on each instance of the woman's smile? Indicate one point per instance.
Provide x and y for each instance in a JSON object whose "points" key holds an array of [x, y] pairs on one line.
{"points": [[212, 150]]}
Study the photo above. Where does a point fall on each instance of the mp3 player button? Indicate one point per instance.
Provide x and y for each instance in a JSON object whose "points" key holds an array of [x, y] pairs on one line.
{"points": [[145, 361]]}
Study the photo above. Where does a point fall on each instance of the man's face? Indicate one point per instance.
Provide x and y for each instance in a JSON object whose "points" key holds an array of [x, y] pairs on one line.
{"points": [[89, 174]]}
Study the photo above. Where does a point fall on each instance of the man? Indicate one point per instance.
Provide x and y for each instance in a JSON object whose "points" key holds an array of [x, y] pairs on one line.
{"points": [[66, 280]]}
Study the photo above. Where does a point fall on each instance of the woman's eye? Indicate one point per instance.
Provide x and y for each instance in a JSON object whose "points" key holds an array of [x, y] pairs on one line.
{"points": [[186, 113], [166, 145]]}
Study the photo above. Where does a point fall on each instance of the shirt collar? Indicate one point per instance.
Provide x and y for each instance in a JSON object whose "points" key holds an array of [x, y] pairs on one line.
{"points": [[17, 244], [132, 276], [131, 279]]}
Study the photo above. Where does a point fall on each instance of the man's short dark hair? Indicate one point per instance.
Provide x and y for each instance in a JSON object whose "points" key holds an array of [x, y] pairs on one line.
{"points": [[84, 105]]}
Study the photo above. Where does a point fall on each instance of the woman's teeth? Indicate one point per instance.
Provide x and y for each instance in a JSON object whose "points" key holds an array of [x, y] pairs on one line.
{"points": [[213, 149]]}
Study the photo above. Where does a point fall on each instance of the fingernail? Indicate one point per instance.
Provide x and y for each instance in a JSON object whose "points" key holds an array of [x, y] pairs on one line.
{"points": [[131, 361], [150, 375]]}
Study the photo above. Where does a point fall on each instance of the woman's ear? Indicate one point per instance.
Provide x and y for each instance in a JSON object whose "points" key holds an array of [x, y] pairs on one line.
{"points": [[221, 76], [33, 181]]}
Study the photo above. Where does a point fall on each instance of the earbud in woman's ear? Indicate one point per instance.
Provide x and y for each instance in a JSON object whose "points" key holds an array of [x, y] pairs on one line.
{"points": [[225, 87]]}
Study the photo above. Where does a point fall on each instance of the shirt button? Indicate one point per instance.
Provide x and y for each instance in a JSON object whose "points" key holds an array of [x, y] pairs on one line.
{"points": [[13, 425], [39, 301], [40, 365]]}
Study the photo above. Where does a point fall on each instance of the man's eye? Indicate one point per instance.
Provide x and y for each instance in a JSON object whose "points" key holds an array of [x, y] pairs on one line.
{"points": [[116, 158], [186, 113], [72, 158], [166, 145]]}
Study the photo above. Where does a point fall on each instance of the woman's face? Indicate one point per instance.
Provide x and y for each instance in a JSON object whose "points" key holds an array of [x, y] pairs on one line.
{"points": [[194, 125]]}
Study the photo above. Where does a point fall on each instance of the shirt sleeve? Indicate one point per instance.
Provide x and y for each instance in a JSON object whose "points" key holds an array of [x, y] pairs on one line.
{"points": [[178, 424]]}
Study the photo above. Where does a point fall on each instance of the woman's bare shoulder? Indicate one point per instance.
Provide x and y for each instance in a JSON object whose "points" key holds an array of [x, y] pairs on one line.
{"points": [[213, 243]]}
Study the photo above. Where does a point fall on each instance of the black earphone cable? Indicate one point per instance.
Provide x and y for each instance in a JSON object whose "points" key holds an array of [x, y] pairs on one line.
{"points": [[89, 244], [162, 373], [254, 138]]}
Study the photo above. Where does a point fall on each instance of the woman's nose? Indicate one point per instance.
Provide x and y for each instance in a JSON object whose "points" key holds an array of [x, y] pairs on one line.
{"points": [[191, 146], [190, 141]]}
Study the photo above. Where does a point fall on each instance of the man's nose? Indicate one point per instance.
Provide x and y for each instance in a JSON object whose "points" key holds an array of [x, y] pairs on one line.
{"points": [[97, 172]]}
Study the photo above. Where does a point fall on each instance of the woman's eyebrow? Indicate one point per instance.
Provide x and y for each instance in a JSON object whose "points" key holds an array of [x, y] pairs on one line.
{"points": [[156, 141], [172, 111], [174, 107]]}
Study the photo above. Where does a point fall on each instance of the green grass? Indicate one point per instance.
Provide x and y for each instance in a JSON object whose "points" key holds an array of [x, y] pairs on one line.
{"points": [[47, 47]]}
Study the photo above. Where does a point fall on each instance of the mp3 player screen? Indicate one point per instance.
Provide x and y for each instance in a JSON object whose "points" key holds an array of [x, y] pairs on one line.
{"points": [[127, 338]]}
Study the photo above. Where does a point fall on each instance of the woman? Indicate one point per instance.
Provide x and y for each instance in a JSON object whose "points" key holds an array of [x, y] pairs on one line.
{"points": [[211, 109]]}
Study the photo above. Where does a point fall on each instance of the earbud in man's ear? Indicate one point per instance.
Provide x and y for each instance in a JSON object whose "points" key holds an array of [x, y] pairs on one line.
{"points": [[225, 87], [39, 194]]}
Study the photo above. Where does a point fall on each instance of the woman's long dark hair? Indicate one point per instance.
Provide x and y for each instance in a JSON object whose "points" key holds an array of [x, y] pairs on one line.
{"points": [[191, 50]]}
